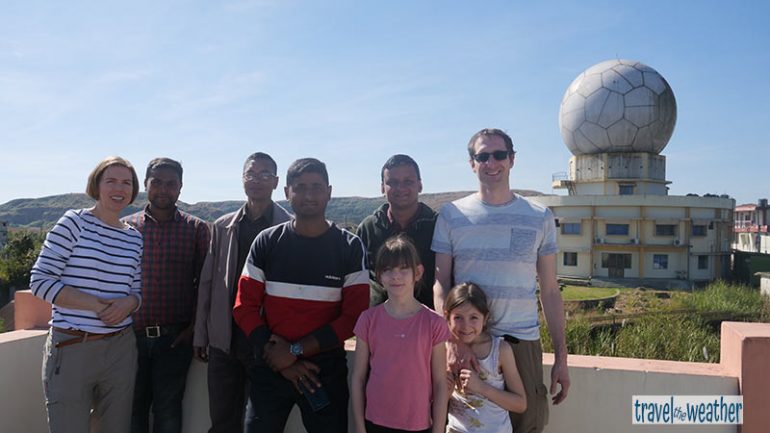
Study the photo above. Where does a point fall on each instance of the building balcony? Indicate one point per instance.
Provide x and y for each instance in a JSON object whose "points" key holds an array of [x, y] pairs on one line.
{"points": [[749, 227], [599, 398]]}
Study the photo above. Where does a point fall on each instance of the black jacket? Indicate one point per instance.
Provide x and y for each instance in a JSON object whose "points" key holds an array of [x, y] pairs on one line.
{"points": [[375, 229]]}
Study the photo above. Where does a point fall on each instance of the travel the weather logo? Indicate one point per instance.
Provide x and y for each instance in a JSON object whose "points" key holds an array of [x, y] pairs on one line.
{"points": [[687, 409]]}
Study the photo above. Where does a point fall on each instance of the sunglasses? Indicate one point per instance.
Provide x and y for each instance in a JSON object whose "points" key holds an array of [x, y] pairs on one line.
{"points": [[499, 155]]}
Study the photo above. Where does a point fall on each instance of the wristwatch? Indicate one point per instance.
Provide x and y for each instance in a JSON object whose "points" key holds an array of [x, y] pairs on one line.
{"points": [[296, 349]]}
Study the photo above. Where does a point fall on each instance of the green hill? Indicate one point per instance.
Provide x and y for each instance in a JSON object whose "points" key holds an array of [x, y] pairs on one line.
{"points": [[347, 211]]}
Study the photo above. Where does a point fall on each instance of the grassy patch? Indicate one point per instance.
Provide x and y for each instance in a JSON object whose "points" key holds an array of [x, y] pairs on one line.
{"points": [[729, 299], [675, 338], [583, 293], [668, 325]]}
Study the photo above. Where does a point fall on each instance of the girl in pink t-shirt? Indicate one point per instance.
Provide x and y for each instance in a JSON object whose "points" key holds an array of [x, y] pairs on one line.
{"points": [[399, 372]]}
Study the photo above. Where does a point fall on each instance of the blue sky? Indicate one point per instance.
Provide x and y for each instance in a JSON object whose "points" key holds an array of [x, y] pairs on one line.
{"points": [[353, 82]]}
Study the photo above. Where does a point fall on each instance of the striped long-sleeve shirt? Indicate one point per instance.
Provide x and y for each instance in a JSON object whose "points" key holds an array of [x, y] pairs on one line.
{"points": [[84, 253]]}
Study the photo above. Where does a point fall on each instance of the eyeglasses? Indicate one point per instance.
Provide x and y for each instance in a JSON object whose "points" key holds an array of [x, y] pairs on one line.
{"points": [[258, 177], [499, 155]]}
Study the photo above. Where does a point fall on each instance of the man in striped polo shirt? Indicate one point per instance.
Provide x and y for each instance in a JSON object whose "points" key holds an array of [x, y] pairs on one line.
{"points": [[175, 246], [303, 287], [506, 244]]}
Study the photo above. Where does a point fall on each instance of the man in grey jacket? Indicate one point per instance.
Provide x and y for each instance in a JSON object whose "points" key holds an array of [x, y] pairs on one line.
{"points": [[217, 340]]}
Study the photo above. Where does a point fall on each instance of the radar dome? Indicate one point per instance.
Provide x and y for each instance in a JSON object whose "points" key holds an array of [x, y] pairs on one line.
{"points": [[617, 106]]}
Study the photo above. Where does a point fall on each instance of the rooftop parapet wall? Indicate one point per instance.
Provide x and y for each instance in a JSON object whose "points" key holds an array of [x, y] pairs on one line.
{"points": [[30, 312], [599, 399], [744, 352]]}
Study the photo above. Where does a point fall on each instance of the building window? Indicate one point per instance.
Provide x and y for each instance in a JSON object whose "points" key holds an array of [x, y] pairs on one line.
{"points": [[570, 228], [570, 259], [660, 261], [626, 189], [699, 230], [613, 260], [617, 229], [665, 229], [703, 262]]}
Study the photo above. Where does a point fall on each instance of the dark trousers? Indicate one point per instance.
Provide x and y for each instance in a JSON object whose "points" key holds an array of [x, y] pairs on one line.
{"points": [[273, 397], [160, 382], [227, 378]]}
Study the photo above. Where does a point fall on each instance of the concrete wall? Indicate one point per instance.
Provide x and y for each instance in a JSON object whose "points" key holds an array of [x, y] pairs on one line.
{"points": [[22, 409], [583, 267], [675, 264], [599, 399], [602, 390], [702, 274]]}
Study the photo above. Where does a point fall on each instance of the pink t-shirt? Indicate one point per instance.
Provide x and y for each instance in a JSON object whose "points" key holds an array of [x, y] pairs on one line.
{"points": [[399, 389]]}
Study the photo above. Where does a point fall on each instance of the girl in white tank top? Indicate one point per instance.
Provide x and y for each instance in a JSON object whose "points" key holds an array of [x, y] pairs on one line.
{"points": [[480, 401]]}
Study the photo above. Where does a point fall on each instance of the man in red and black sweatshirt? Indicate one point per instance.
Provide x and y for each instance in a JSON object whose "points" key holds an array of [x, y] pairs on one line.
{"points": [[303, 287]]}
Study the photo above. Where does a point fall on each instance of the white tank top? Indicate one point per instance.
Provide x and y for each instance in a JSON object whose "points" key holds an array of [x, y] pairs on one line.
{"points": [[474, 413]]}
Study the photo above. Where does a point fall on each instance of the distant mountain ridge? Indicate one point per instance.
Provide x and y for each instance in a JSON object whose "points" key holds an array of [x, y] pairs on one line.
{"points": [[43, 212]]}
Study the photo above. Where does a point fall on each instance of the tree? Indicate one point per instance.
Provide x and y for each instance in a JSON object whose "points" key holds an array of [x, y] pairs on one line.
{"points": [[16, 260]]}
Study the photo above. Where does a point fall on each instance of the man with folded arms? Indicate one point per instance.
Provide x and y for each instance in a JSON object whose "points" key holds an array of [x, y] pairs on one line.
{"points": [[303, 287]]}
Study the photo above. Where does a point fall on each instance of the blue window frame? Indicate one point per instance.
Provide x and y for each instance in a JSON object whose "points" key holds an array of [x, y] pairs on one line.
{"points": [[570, 228], [617, 229]]}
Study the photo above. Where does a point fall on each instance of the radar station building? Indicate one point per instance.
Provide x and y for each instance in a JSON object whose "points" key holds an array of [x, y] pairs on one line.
{"points": [[617, 220]]}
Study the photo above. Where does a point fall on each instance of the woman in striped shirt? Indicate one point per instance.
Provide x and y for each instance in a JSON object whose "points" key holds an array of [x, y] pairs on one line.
{"points": [[89, 269]]}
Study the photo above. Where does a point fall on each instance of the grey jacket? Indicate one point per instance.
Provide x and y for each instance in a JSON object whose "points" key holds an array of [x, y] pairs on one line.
{"points": [[214, 315]]}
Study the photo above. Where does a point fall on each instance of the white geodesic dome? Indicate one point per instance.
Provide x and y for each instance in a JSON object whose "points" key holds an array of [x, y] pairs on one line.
{"points": [[617, 106]]}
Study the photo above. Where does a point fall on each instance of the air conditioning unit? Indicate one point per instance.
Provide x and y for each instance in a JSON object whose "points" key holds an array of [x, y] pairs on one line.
{"points": [[677, 242], [634, 241], [599, 240]]}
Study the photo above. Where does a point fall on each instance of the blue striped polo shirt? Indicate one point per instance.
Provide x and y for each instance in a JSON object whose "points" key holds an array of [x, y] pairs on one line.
{"points": [[497, 247]]}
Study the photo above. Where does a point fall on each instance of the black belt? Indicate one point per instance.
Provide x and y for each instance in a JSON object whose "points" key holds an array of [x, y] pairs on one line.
{"points": [[155, 331]]}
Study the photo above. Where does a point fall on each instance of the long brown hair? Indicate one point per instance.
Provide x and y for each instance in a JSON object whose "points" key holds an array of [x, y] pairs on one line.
{"points": [[467, 293]]}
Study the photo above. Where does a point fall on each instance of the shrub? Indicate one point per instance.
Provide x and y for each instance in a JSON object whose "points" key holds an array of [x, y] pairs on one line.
{"points": [[581, 339], [676, 338], [727, 298], [578, 335], [545, 337]]}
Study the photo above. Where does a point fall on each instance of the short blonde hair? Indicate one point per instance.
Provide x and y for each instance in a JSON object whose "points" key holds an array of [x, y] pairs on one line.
{"points": [[92, 187]]}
